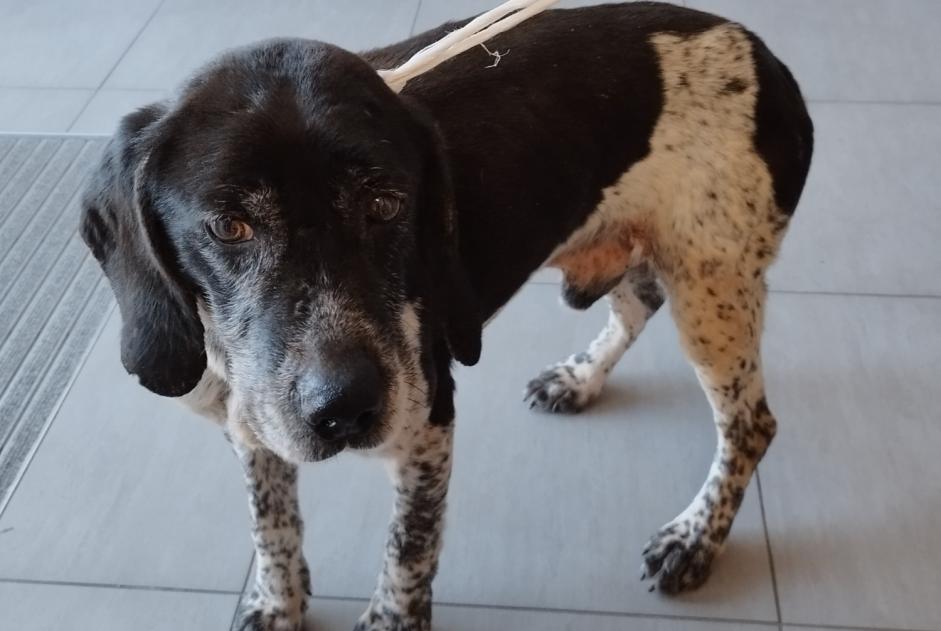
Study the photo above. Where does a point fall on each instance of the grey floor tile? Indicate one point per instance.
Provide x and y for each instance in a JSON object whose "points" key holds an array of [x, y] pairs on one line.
{"points": [[32, 607], [552, 511], [849, 49], [107, 107], [129, 489], [870, 219], [851, 486], [39, 110], [338, 615], [184, 35], [62, 44]]}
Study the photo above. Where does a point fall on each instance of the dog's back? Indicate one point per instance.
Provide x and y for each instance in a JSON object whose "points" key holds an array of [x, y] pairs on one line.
{"points": [[621, 119]]}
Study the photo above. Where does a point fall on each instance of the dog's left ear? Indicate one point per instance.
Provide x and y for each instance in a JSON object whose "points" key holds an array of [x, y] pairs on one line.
{"points": [[161, 334], [452, 295]]}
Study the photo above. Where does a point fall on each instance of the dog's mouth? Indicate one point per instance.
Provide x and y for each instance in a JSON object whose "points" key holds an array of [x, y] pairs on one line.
{"points": [[315, 449]]}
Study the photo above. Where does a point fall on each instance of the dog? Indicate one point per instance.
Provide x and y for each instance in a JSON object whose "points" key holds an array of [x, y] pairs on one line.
{"points": [[300, 253]]}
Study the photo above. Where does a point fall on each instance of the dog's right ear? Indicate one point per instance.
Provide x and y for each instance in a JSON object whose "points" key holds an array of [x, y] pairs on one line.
{"points": [[161, 335]]}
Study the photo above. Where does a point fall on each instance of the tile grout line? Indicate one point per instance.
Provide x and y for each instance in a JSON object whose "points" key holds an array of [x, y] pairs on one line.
{"points": [[839, 627], [857, 294], [580, 612], [411, 31], [144, 588], [914, 102], [548, 610], [238, 605], [116, 64], [496, 607], [40, 88], [764, 524], [805, 292]]}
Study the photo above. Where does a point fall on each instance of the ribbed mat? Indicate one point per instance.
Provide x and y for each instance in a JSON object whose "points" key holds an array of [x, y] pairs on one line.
{"points": [[53, 297]]}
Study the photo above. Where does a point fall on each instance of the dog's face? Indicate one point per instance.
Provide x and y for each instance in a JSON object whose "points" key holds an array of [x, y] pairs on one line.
{"points": [[290, 215]]}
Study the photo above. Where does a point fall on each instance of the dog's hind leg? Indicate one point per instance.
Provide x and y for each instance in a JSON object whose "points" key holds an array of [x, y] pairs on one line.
{"points": [[571, 384], [278, 598], [719, 315]]}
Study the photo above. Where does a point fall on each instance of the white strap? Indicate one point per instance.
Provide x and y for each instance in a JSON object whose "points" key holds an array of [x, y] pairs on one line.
{"points": [[476, 32]]}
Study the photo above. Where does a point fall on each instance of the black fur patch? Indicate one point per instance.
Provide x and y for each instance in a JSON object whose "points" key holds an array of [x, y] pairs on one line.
{"points": [[784, 133]]}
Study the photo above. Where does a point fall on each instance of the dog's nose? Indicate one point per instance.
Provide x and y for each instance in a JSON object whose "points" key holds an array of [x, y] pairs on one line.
{"points": [[341, 396]]}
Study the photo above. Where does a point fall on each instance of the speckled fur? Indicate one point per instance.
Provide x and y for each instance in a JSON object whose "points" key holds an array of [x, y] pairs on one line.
{"points": [[419, 464], [698, 213], [278, 598]]}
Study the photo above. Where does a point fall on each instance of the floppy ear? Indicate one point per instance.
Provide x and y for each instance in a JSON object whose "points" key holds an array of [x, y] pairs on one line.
{"points": [[452, 294], [161, 335]]}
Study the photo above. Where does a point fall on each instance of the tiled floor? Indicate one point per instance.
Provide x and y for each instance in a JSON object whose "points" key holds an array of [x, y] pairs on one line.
{"points": [[131, 514]]}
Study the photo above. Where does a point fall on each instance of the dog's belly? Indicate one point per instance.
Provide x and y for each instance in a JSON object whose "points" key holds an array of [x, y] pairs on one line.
{"points": [[702, 193]]}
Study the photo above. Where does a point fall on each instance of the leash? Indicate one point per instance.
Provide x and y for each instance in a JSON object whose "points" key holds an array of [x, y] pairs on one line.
{"points": [[475, 33]]}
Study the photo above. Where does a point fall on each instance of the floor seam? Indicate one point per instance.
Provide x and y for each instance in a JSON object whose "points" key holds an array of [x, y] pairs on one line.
{"points": [[411, 31], [841, 627], [116, 64], [914, 102], [764, 523], [146, 588], [549, 610], [238, 605], [570, 611], [858, 294], [808, 292]]}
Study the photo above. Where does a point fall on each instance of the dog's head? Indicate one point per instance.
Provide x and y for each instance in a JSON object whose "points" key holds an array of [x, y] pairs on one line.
{"points": [[293, 216]]}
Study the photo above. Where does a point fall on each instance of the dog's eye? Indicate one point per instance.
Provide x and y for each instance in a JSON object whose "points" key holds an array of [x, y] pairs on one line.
{"points": [[385, 207], [229, 230]]}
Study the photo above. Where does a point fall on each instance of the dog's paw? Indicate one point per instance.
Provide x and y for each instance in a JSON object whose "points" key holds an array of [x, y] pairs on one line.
{"points": [[257, 617], [678, 558], [374, 620], [385, 616], [561, 389]]}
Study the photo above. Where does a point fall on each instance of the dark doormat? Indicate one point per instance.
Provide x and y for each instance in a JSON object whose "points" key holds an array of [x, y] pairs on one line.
{"points": [[53, 298]]}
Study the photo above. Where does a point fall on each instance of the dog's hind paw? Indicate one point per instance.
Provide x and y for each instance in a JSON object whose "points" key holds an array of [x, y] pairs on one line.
{"points": [[560, 389], [678, 558]]}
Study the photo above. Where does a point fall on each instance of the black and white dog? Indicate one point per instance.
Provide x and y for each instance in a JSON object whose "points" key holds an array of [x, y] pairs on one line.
{"points": [[300, 253]]}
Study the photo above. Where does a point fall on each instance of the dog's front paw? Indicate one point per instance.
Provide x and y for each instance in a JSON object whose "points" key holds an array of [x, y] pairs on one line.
{"points": [[679, 557], [257, 618], [562, 389], [386, 616], [259, 614]]}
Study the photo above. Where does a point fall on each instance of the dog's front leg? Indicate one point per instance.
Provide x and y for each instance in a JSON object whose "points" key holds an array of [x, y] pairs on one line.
{"points": [[278, 599], [420, 471]]}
